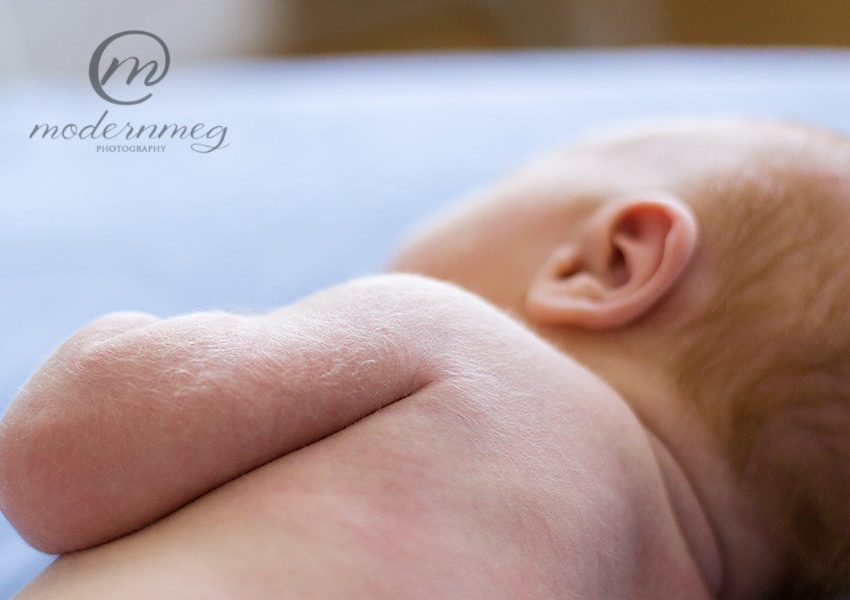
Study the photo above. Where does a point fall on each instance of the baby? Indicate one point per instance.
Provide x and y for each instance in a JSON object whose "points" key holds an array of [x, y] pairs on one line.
{"points": [[635, 385]]}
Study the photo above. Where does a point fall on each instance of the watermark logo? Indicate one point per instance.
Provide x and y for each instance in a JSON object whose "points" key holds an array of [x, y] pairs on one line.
{"points": [[122, 70], [108, 80]]}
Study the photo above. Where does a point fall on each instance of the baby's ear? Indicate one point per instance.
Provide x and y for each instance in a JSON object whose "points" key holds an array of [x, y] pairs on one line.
{"points": [[628, 257]]}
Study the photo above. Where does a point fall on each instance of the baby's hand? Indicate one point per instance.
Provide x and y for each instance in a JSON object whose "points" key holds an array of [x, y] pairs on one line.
{"points": [[134, 416]]}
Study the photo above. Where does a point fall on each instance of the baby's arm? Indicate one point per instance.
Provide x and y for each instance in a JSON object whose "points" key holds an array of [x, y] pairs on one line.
{"points": [[134, 416], [508, 472]]}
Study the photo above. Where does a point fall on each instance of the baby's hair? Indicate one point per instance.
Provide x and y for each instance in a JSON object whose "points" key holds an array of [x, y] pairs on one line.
{"points": [[767, 359]]}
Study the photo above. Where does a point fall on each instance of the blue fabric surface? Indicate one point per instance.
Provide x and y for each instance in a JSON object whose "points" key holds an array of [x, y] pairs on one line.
{"points": [[328, 162]]}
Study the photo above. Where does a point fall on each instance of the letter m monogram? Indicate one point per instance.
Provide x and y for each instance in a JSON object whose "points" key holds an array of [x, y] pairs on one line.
{"points": [[135, 69]]}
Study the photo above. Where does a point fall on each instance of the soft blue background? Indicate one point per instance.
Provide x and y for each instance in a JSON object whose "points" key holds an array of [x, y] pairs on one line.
{"points": [[329, 161]]}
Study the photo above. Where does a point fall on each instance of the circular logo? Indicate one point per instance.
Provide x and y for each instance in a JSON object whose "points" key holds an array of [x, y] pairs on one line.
{"points": [[126, 51]]}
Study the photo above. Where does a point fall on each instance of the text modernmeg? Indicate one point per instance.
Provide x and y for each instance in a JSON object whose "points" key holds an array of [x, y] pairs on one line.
{"points": [[206, 139]]}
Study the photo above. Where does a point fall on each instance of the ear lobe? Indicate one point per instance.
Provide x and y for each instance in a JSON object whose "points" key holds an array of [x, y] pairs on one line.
{"points": [[630, 255]]}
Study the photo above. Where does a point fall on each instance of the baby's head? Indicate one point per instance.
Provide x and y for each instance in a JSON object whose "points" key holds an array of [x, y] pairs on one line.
{"points": [[713, 255]]}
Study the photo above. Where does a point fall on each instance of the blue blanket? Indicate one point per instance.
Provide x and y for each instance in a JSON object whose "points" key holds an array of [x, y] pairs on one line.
{"points": [[327, 162]]}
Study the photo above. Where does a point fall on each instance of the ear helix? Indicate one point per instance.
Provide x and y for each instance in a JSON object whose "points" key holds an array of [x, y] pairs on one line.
{"points": [[630, 255]]}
